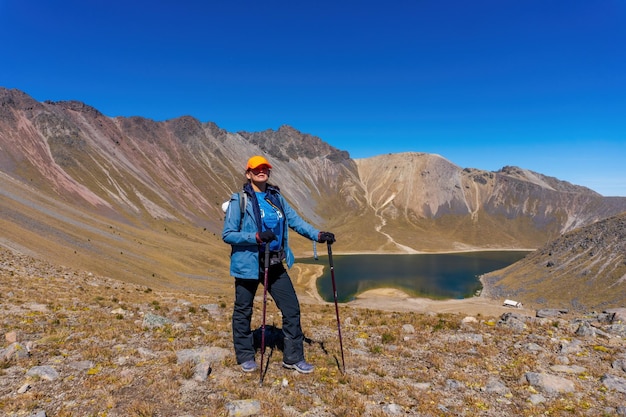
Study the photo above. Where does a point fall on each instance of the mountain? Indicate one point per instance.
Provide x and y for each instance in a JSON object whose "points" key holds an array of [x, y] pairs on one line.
{"points": [[140, 200], [585, 268], [454, 209]]}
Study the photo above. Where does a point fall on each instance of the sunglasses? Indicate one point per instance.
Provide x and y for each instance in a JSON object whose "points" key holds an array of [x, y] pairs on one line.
{"points": [[259, 169]]}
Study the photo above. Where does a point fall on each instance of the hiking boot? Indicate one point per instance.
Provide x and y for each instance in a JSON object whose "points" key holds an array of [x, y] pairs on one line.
{"points": [[249, 366], [303, 367]]}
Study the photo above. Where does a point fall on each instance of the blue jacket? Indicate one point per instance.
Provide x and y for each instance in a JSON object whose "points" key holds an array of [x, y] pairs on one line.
{"points": [[244, 257]]}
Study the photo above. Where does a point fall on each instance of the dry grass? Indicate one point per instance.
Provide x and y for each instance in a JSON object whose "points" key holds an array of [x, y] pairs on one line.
{"points": [[134, 371]]}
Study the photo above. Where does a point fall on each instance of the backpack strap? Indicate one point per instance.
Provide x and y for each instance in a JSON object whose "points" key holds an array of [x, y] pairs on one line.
{"points": [[243, 200]]}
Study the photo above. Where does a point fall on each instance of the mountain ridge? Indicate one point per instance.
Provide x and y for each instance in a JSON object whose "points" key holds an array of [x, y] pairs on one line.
{"points": [[140, 200]]}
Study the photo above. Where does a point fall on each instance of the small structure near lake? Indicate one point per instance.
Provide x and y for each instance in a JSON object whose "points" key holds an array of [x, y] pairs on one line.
{"points": [[511, 303]]}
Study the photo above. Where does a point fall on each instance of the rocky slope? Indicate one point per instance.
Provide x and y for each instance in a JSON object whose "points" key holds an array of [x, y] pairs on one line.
{"points": [[74, 343], [139, 198], [583, 269]]}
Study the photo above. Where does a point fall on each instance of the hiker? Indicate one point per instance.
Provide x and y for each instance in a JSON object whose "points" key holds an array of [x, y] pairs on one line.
{"points": [[251, 230]]}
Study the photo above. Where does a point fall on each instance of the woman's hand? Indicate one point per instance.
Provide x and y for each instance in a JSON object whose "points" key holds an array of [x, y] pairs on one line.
{"points": [[265, 236], [326, 237]]}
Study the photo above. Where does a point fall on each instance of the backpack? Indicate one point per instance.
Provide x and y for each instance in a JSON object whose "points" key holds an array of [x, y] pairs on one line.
{"points": [[243, 200]]}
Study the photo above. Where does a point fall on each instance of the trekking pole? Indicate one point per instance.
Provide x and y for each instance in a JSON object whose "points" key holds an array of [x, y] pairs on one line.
{"points": [[332, 275], [265, 279]]}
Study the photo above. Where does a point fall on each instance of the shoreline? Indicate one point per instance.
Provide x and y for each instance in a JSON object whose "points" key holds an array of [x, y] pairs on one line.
{"points": [[335, 253], [393, 299]]}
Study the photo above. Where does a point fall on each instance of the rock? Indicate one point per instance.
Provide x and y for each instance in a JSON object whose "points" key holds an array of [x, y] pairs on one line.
{"points": [[536, 399], [530, 347], [619, 364], [153, 321], [44, 372], [11, 337], [513, 321], [619, 315], [573, 347], [496, 386], [146, 353], [454, 384], [393, 409], [408, 328], [574, 369], [614, 383], [605, 317], [14, 351], [242, 408], [585, 330], [550, 384], [562, 360], [422, 386], [121, 312], [550, 312], [213, 309], [618, 329], [203, 358]]}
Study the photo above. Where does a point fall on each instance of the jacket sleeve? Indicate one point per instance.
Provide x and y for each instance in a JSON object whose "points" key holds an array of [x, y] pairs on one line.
{"points": [[296, 222], [231, 233]]}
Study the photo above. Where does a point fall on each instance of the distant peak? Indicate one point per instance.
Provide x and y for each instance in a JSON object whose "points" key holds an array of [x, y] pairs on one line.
{"points": [[74, 105]]}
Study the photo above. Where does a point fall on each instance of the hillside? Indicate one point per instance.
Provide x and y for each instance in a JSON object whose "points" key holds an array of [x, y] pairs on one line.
{"points": [[583, 269], [75, 343], [140, 201]]}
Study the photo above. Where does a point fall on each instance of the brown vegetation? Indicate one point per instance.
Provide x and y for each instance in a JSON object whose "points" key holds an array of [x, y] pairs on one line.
{"points": [[93, 332]]}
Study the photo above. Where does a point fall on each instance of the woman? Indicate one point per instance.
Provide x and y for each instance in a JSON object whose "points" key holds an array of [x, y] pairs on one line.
{"points": [[259, 226]]}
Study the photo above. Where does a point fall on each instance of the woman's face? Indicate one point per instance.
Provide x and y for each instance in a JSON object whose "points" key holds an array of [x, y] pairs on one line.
{"points": [[259, 175]]}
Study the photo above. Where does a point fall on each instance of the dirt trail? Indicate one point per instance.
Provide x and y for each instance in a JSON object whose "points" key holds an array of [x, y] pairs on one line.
{"points": [[383, 221]]}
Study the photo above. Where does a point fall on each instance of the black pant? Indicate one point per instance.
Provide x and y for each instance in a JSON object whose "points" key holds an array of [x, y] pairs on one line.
{"points": [[282, 291]]}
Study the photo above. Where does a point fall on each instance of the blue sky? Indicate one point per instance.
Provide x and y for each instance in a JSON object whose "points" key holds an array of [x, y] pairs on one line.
{"points": [[539, 84]]}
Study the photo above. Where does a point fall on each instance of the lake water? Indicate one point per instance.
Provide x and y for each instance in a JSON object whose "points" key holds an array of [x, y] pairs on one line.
{"points": [[438, 276]]}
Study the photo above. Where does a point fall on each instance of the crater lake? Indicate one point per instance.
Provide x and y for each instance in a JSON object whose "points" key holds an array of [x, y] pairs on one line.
{"points": [[436, 276]]}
